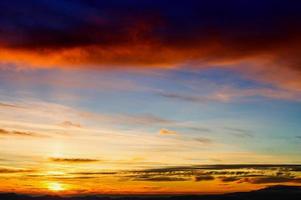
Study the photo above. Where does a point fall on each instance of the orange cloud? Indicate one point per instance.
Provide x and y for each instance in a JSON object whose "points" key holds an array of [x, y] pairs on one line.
{"points": [[167, 132], [270, 64], [4, 132], [162, 40], [68, 124]]}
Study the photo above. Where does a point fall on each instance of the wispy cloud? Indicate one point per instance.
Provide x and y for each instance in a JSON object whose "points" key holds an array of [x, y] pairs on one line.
{"points": [[52, 112], [239, 132], [13, 170], [184, 97], [231, 94], [68, 124], [8, 105], [127, 119], [157, 178], [199, 129], [203, 140]]}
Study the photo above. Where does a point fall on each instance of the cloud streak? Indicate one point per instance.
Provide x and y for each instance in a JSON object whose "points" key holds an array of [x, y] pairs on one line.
{"points": [[10, 171], [254, 174], [167, 132], [240, 133], [203, 140], [5, 132], [232, 94], [7, 105], [73, 160]]}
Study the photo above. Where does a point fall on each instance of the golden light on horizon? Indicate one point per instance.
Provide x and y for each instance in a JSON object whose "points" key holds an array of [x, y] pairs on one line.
{"points": [[55, 186]]}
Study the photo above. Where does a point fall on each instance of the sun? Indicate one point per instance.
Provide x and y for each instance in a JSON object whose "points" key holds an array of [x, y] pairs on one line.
{"points": [[55, 186]]}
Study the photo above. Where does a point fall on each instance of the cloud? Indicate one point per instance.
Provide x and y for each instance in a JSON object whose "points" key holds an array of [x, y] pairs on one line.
{"points": [[204, 178], [203, 140], [5, 132], [167, 132], [140, 119], [296, 169], [69, 124], [220, 169], [184, 97], [232, 94], [230, 179], [95, 173], [73, 160], [238, 132], [143, 35], [11, 170], [8, 105], [255, 174], [158, 178], [120, 30], [52, 112], [199, 129], [66, 79], [272, 179]]}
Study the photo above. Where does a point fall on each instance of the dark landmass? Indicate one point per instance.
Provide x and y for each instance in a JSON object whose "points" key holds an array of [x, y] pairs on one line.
{"points": [[275, 193]]}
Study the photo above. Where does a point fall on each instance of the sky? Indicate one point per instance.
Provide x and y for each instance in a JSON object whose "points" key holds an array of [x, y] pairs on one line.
{"points": [[149, 97]]}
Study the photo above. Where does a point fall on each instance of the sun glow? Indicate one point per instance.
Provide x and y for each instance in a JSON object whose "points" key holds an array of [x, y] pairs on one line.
{"points": [[55, 173], [55, 186]]}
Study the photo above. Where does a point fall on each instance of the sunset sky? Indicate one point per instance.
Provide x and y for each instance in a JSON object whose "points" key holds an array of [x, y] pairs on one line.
{"points": [[149, 97]]}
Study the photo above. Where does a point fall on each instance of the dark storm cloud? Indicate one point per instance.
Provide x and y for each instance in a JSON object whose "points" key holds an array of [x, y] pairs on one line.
{"points": [[261, 38], [144, 32]]}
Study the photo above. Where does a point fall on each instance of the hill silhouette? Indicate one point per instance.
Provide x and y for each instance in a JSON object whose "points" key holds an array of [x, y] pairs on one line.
{"points": [[278, 192]]}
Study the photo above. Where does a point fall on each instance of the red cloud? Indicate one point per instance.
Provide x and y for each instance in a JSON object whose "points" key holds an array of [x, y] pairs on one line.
{"points": [[158, 39]]}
